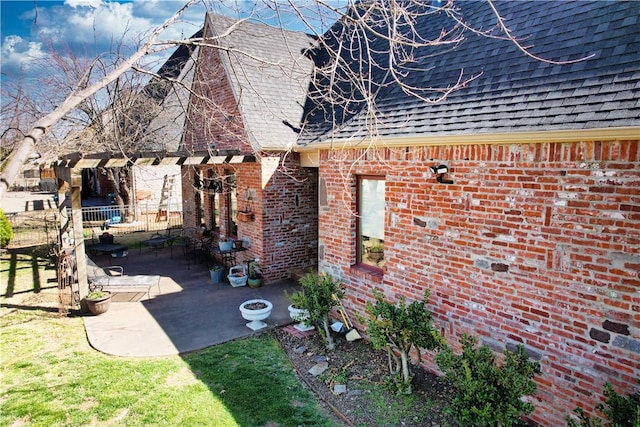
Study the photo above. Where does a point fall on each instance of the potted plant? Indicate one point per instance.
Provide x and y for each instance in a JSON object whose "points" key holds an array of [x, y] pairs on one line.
{"points": [[217, 273], [244, 216], [376, 252], [246, 213], [224, 244], [237, 276], [98, 300], [254, 279], [298, 313], [256, 310], [317, 296]]}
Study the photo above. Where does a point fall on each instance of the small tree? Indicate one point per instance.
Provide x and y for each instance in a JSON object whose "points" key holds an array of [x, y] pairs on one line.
{"points": [[488, 394], [400, 328], [316, 297], [6, 231], [620, 411]]}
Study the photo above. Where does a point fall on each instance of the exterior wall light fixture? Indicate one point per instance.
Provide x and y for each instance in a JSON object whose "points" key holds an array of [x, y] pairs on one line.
{"points": [[440, 171]]}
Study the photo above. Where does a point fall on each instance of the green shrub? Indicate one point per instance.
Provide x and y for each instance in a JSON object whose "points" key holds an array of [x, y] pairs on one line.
{"points": [[583, 420], [316, 296], [487, 393], [400, 328], [6, 231], [620, 411]]}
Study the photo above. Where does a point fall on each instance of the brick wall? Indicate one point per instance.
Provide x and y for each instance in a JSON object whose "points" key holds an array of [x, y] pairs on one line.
{"points": [[290, 219], [283, 233], [214, 120], [537, 244]]}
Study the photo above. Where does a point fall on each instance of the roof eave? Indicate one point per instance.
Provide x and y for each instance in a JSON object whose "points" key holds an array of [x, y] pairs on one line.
{"points": [[604, 134], [310, 154]]}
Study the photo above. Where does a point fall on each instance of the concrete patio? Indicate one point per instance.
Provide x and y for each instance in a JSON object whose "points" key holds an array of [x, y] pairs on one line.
{"points": [[188, 312]]}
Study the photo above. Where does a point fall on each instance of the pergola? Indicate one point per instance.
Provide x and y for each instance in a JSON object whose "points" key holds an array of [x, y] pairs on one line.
{"points": [[68, 169]]}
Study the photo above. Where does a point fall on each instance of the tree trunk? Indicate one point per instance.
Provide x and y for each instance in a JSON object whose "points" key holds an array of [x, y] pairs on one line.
{"points": [[121, 182], [327, 332], [405, 368]]}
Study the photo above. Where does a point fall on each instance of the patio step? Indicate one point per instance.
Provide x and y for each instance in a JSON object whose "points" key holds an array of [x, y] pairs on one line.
{"points": [[297, 273]]}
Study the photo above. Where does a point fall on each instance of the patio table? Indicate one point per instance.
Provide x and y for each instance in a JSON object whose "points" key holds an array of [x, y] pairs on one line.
{"points": [[155, 242], [227, 258], [105, 248]]}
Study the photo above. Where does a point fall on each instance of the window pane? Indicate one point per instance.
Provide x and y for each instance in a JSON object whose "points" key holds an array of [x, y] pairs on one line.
{"points": [[232, 203], [371, 221], [216, 211], [199, 201]]}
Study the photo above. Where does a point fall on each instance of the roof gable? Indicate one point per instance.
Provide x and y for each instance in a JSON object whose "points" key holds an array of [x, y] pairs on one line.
{"points": [[269, 74]]}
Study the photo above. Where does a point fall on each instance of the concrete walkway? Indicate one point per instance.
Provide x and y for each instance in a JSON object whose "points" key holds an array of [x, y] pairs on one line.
{"points": [[187, 313]]}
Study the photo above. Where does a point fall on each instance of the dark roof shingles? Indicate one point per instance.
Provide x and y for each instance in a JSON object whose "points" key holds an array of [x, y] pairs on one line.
{"points": [[598, 92]]}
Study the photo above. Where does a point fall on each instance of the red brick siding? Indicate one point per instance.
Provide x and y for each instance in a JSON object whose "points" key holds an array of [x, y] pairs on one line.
{"points": [[533, 243], [290, 219], [214, 120], [283, 233], [248, 179]]}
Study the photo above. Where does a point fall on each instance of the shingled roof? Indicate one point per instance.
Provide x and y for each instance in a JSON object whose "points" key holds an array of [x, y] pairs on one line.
{"points": [[269, 73], [513, 92]]}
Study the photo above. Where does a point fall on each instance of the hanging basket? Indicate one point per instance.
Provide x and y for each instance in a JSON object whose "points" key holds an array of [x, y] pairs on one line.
{"points": [[245, 216]]}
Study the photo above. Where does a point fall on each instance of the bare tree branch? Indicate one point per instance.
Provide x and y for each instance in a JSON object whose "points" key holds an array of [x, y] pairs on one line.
{"points": [[21, 153]]}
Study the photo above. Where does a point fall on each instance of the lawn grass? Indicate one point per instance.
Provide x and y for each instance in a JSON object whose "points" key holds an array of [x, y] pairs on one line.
{"points": [[50, 376]]}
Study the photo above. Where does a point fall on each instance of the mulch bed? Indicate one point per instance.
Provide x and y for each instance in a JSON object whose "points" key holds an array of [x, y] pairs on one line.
{"points": [[370, 398]]}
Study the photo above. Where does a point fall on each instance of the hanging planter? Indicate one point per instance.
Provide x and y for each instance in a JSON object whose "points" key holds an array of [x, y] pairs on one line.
{"points": [[246, 214]]}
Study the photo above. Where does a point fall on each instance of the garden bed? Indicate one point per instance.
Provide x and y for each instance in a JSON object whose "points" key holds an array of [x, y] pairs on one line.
{"points": [[370, 399]]}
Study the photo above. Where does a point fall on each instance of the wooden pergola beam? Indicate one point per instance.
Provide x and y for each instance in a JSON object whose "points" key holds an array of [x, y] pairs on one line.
{"points": [[105, 160]]}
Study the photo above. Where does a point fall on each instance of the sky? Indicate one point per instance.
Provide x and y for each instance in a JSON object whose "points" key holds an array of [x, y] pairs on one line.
{"points": [[30, 28]]}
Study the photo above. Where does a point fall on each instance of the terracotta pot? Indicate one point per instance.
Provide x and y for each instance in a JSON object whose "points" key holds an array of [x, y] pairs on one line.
{"points": [[99, 305]]}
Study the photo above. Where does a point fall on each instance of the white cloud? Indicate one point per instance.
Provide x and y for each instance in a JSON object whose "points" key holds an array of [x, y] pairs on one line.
{"points": [[81, 3], [94, 27], [93, 22], [18, 54], [89, 28], [158, 11]]}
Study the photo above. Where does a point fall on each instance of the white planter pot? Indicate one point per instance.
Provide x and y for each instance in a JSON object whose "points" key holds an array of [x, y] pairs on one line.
{"points": [[237, 276], [300, 315], [256, 317]]}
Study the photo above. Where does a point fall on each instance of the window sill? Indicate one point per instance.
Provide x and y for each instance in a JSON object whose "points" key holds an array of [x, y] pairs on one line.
{"points": [[367, 272]]}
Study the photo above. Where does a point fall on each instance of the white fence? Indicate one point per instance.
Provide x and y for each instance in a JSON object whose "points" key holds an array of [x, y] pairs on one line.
{"points": [[141, 217], [41, 227]]}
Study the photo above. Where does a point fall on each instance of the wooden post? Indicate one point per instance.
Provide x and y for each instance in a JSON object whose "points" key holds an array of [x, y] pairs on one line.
{"points": [[63, 181], [78, 238]]}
